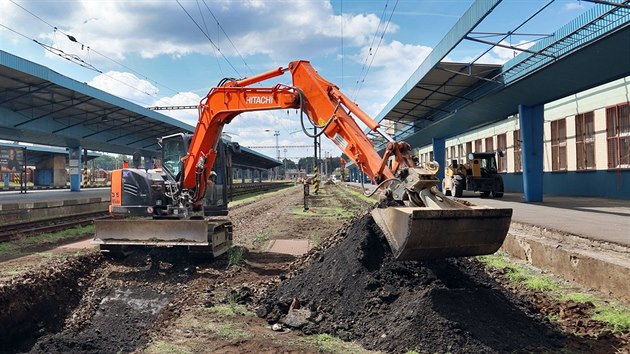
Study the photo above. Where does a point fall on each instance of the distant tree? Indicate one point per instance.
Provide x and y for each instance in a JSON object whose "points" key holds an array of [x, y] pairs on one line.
{"points": [[290, 164], [109, 162]]}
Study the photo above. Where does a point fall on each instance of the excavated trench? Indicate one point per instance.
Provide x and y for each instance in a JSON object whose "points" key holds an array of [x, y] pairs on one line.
{"points": [[39, 302], [89, 304], [349, 287]]}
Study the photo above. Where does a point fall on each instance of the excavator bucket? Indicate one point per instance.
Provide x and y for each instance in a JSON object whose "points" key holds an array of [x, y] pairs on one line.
{"points": [[418, 233], [213, 236]]}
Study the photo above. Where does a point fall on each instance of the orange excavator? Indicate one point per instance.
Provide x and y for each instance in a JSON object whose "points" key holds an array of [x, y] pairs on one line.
{"points": [[418, 221]]}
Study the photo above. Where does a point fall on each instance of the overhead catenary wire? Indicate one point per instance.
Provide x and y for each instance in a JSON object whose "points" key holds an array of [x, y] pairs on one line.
{"points": [[367, 56], [208, 34], [209, 39], [228, 37], [376, 51], [90, 49], [73, 58]]}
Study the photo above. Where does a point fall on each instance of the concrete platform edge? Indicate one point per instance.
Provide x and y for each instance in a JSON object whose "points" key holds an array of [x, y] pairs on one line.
{"points": [[605, 269]]}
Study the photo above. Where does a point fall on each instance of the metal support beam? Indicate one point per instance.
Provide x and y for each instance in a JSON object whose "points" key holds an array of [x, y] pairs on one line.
{"points": [[439, 155], [74, 163], [469, 20], [531, 119]]}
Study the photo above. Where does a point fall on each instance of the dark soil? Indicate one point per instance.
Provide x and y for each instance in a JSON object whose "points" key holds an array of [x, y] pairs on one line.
{"points": [[115, 314], [356, 291], [39, 301]]}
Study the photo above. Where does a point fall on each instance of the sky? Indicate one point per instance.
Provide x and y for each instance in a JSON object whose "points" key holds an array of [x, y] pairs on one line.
{"points": [[172, 52]]}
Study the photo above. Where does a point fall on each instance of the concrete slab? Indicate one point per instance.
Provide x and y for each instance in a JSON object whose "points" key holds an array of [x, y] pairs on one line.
{"points": [[605, 220], [603, 267], [292, 247]]}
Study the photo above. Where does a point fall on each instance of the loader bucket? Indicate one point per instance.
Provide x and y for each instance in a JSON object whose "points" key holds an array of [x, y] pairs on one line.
{"points": [[418, 233], [215, 236]]}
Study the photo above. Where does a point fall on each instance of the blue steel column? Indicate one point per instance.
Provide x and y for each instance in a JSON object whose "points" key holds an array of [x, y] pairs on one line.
{"points": [[74, 165], [531, 119], [148, 162], [439, 155]]}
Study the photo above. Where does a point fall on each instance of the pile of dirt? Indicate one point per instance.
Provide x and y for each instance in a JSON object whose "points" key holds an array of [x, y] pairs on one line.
{"points": [[356, 291], [38, 301]]}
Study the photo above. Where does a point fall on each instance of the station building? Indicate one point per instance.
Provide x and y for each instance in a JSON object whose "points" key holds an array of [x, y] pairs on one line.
{"points": [[586, 144]]}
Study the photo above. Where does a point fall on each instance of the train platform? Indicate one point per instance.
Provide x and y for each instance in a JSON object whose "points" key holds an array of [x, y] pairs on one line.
{"points": [[16, 207], [599, 219], [33, 196], [586, 240]]}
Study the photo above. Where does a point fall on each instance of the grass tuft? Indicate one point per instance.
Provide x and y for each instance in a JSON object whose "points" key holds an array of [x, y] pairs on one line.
{"points": [[520, 274], [315, 240], [540, 283], [262, 236], [162, 347], [231, 309], [236, 256], [229, 331], [580, 298], [617, 317]]}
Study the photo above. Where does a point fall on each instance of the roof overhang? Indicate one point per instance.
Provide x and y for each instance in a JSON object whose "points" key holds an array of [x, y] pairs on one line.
{"points": [[39, 105]]}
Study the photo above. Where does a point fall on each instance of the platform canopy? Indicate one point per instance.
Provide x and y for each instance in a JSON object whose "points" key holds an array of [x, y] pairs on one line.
{"points": [[41, 106], [443, 99]]}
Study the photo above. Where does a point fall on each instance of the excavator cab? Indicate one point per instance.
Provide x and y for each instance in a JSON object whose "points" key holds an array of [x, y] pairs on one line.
{"points": [[153, 210]]}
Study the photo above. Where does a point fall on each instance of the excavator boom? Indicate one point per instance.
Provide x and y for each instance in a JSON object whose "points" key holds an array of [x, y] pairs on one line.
{"points": [[418, 220]]}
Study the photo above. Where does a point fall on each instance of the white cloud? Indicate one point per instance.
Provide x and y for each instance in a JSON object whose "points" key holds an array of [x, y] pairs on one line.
{"points": [[152, 28], [393, 64], [125, 85], [189, 116], [577, 5]]}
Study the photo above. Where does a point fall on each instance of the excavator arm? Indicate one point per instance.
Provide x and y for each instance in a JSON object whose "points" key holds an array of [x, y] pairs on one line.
{"points": [[418, 220], [321, 101]]}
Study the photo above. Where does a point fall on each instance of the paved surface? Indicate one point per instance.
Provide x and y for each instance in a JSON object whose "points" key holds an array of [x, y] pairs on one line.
{"points": [[598, 219], [293, 247], [52, 195]]}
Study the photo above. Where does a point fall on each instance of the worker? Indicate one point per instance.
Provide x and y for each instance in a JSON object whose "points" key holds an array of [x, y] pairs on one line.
{"points": [[211, 186]]}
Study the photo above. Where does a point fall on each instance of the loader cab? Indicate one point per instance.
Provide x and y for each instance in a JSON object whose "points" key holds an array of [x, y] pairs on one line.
{"points": [[483, 164]]}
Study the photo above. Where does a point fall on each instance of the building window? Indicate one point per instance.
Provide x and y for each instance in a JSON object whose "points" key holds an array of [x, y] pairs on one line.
{"points": [[431, 156], [585, 141], [502, 148], [478, 145], [489, 145], [559, 145], [460, 153], [469, 148], [618, 134], [453, 157], [518, 167]]}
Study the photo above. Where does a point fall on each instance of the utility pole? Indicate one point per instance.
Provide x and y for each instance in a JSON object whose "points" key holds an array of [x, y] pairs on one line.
{"points": [[277, 134], [285, 164]]}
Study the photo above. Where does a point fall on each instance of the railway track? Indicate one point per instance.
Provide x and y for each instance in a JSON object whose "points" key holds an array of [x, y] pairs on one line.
{"points": [[20, 230], [16, 231], [249, 188]]}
